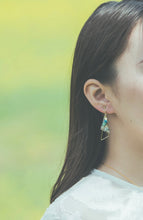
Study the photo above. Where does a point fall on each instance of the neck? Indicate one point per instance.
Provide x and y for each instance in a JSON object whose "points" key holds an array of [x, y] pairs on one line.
{"points": [[125, 154]]}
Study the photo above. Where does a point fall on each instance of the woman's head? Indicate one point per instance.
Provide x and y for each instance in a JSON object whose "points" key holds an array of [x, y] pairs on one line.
{"points": [[123, 99], [103, 73]]}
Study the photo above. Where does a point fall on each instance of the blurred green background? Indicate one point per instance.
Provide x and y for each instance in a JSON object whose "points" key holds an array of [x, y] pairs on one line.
{"points": [[37, 41]]}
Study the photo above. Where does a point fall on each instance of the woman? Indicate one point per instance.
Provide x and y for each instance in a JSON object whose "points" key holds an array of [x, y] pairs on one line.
{"points": [[102, 176]]}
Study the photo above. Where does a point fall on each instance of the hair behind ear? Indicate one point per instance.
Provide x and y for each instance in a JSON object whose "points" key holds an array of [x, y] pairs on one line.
{"points": [[101, 41]]}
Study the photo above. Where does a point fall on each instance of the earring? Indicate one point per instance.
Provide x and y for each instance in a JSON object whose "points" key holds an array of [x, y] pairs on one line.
{"points": [[104, 127]]}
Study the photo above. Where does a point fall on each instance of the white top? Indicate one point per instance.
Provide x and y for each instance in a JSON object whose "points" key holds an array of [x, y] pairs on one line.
{"points": [[100, 196]]}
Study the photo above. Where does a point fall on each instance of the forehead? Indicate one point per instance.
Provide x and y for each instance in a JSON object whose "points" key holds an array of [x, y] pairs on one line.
{"points": [[128, 63], [133, 53], [135, 42]]}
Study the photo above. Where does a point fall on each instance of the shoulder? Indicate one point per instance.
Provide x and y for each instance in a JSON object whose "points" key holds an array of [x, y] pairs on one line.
{"points": [[94, 195], [80, 195], [58, 208]]}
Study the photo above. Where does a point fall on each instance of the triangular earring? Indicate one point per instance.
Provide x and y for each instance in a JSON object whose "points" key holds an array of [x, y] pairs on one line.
{"points": [[104, 127]]}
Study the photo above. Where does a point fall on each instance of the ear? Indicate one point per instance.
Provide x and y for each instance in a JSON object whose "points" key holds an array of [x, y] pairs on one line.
{"points": [[97, 95]]}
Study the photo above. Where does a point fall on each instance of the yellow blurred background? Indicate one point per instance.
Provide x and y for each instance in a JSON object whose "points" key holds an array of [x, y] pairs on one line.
{"points": [[37, 41]]}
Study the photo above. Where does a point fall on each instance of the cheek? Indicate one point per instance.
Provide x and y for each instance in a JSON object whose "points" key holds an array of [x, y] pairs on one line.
{"points": [[131, 104]]}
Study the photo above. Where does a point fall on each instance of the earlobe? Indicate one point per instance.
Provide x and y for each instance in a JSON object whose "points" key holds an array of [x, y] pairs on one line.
{"points": [[110, 108]]}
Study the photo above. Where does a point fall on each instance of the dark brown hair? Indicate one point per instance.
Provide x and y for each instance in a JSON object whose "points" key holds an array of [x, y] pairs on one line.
{"points": [[102, 39]]}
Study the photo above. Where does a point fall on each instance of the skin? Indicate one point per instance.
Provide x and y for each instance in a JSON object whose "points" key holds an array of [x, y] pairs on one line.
{"points": [[124, 111]]}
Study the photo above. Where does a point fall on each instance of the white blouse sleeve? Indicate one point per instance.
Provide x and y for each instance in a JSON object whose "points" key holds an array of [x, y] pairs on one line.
{"points": [[51, 214], [56, 211]]}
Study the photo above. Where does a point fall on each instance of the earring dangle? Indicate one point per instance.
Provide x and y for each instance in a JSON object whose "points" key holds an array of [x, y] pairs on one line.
{"points": [[104, 127]]}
